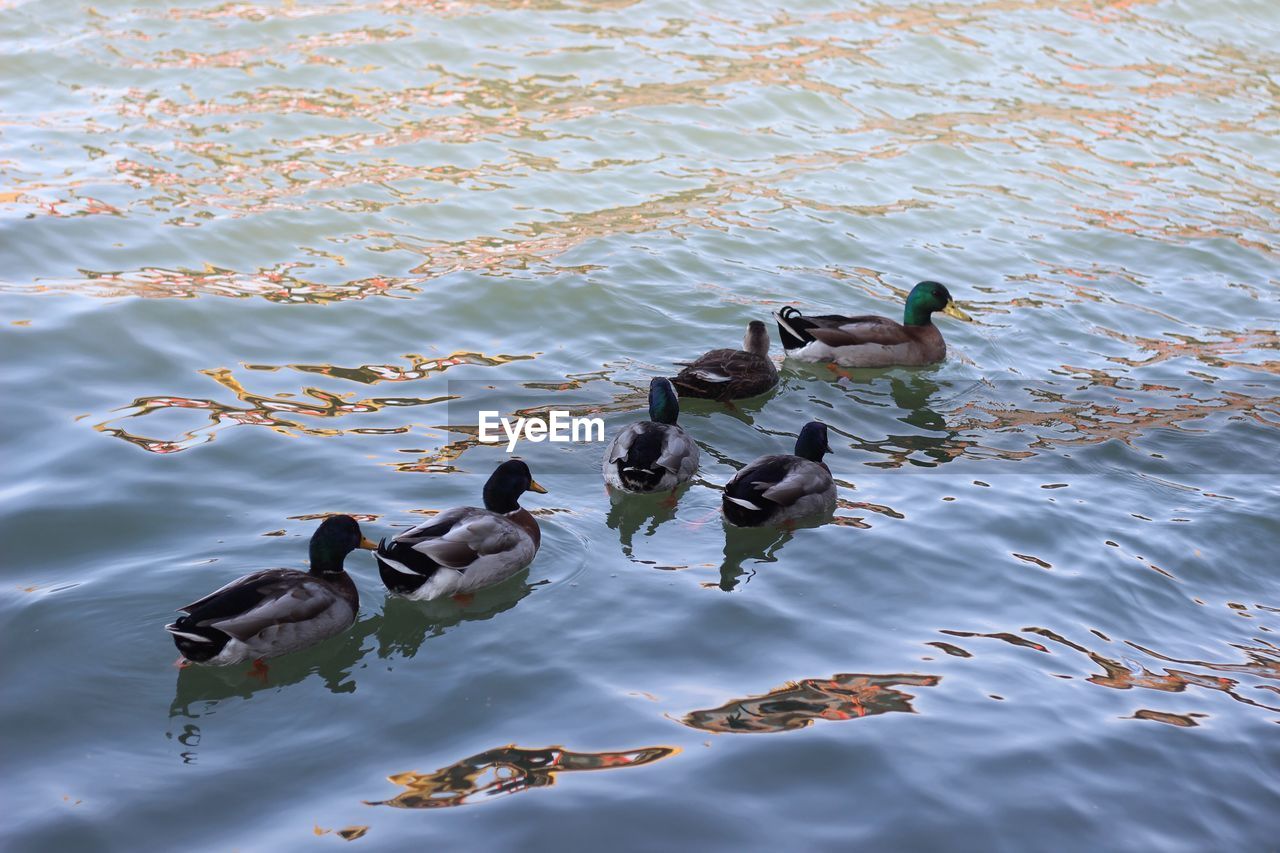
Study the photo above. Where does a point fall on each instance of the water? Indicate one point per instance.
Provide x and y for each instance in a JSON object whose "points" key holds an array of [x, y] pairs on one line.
{"points": [[256, 258]]}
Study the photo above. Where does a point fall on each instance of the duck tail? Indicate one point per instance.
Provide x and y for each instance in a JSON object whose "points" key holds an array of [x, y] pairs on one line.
{"points": [[742, 512], [198, 643], [793, 328], [396, 567]]}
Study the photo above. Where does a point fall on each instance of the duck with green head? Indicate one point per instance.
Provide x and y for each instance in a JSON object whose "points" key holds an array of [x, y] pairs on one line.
{"points": [[784, 487], [654, 455], [466, 548], [276, 611], [871, 340]]}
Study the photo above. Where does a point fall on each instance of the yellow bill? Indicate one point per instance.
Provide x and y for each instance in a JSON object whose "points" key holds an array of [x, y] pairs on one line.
{"points": [[951, 309], [535, 487], [367, 545]]}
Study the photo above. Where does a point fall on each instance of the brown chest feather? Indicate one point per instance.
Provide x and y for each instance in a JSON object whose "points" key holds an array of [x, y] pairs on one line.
{"points": [[525, 519]]}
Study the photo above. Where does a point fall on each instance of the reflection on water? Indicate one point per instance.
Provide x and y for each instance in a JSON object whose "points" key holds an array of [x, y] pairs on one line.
{"points": [[200, 690], [282, 413], [628, 513], [334, 660], [1184, 721], [347, 833], [796, 705], [1121, 673], [575, 179], [755, 544], [420, 367], [399, 631], [404, 625], [278, 283], [506, 770], [277, 413]]}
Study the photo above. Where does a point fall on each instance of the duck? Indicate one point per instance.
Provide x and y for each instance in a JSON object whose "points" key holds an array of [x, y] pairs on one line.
{"points": [[781, 488], [870, 340], [731, 374], [656, 455], [273, 612], [466, 548]]}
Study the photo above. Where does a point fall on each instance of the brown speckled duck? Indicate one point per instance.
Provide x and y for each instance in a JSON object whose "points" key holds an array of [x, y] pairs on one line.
{"points": [[731, 374]]}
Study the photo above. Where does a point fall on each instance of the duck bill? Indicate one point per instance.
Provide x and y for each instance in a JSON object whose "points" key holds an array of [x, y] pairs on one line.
{"points": [[535, 487], [953, 310], [367, 545]]}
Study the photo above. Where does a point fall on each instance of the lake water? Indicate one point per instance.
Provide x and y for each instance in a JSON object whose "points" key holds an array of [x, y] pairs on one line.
{"points": [[256, 258]]}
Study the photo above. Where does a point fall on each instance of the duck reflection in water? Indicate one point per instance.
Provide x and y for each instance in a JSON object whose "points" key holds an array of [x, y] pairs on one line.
{"points": [[405, 624], [933, 442], [912, 395], [333, 660], [847, 696], [400, 630], [759, 544], [629, 512], [506, 770]]}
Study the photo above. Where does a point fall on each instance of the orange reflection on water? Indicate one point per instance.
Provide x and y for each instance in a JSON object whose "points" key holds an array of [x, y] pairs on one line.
{"points": [[283, 416], [796, 705], [1212, 353], [1263, 661], [1059, 418], [507, 770], [278, 283], [420, 367]]}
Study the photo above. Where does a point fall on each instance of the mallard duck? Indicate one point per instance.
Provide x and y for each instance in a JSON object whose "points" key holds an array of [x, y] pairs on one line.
{"points": [[731, 374], [870, 340], [466, 548], [782, 488], [654, 455], [276, 611]]}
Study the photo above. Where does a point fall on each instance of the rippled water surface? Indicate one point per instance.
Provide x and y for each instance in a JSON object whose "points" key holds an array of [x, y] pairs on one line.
{"points": [[256, 259]]}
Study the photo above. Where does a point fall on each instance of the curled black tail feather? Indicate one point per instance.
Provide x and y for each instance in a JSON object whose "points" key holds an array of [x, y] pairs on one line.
{"points": [[201, 650], [393, 578], [793, 328], [739, 515]]}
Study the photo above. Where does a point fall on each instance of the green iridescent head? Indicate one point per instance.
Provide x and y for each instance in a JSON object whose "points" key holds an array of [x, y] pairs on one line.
{"points": [[664, 404], [335, 538], [926, 298]]}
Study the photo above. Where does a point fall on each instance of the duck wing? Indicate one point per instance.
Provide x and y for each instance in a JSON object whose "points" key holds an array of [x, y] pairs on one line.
{"points": [[858, 331], [246, 606], [725, 373], [455, 539], [780, 480], [679, 452], [800, 478], [620, 448]]}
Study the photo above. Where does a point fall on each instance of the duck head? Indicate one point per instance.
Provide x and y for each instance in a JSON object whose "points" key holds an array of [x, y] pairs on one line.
{"points": [[926, 298], [812, 443], [757, 339], [335, 538], [664, 403], [506, 484]]}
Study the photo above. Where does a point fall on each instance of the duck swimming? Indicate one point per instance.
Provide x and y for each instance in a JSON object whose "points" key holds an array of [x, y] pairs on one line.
{"points": [[464, 549], [654, 455], [731, 374], [782, 488], [277, 611], [870, 340]]}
